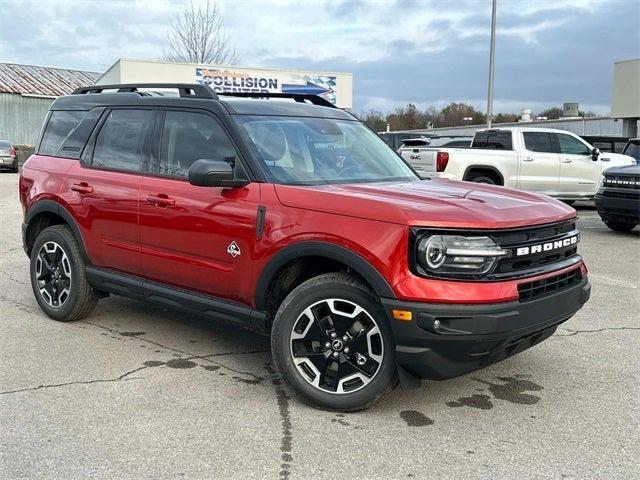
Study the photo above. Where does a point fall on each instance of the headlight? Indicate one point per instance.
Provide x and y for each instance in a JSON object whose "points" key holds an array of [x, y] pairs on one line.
{"points": [[452, 255]]}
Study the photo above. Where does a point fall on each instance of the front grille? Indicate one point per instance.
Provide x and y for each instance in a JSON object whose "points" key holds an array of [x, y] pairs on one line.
{"points": [[538, 288], [517, 265], [627, 194], [621, 181]]}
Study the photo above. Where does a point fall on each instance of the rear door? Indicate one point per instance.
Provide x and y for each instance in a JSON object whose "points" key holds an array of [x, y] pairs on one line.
{"points": [[539, 163], [197, 238], [579, 174], [105, 188]]}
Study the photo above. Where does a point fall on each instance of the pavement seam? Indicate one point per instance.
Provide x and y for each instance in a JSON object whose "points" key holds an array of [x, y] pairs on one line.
{"points": [[606, 329], [122, 378], [189, 355]]}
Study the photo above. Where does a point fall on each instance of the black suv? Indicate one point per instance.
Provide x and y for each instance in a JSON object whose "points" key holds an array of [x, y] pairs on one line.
{"points": [[618, 199]]}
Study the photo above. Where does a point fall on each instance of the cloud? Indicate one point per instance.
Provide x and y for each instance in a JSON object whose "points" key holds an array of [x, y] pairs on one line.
{"points": [[429, 52]]}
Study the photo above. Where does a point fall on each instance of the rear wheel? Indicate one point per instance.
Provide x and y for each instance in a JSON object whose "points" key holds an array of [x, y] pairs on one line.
{"points": [[482, 179], [332, 344], [58, 275], [620, 226]]}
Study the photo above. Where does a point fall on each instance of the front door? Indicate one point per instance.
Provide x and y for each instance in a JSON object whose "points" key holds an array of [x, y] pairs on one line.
{"points": [[197, 238], [106, 185], [539, 164], [579, 174]]}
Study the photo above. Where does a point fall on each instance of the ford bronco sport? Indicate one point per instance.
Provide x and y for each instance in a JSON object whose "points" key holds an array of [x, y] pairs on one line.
{"points": [[288, 216]]}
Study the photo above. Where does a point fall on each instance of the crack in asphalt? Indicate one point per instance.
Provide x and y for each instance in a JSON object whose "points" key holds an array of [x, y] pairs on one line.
{"points": [[190, 355], [122, 378], [19, 305], [10, 276], [605, 329]]}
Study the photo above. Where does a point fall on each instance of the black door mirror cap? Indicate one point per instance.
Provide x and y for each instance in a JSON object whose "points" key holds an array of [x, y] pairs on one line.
{"points": [[214, 173], [595, 153]]}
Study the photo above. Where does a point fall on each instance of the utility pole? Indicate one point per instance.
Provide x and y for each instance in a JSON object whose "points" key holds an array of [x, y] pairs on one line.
{"points": [[492, 61]]}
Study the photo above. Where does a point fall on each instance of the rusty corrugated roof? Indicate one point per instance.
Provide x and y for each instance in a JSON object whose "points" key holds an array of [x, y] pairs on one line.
{"points": [[32, 80]]}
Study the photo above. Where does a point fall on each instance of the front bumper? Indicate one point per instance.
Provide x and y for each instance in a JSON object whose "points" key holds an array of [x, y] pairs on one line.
{"points": [[616, 209], [470, 337]]}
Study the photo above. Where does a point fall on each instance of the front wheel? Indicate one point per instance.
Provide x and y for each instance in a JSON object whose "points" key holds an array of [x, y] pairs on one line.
{"points": [[332, 344], [620, 226]]}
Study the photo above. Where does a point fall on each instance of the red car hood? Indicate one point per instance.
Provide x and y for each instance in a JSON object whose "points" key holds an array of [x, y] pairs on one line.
{"points": [[438, 203]]}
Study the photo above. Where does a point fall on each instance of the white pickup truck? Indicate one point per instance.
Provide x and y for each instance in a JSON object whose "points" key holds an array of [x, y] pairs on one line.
{"points": [[553, 162]]}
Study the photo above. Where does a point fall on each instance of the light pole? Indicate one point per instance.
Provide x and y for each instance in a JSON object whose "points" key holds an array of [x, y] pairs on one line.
{"points": [[492, 59]]}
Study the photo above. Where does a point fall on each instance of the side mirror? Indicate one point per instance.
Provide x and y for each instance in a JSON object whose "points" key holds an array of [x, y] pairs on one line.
{"points": [[213, 173], [595, 153]]}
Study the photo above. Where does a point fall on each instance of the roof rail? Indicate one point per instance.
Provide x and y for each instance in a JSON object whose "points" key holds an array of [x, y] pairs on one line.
{"points": [[298, 97], [186, 90]]}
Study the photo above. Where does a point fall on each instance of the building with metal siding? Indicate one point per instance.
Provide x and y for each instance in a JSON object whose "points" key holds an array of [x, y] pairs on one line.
{"points": [[27, 91]]}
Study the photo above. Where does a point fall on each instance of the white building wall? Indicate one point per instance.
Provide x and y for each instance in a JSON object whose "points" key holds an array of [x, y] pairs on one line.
{"points": [[146, 71]]}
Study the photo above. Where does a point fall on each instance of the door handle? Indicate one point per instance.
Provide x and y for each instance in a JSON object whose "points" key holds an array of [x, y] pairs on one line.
{"points": [[566, 160], [527, 159], [82, 188], [161, 200]]}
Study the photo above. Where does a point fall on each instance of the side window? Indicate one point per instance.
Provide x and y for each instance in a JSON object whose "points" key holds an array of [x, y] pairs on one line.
{"points": [[121, 140], [498, 140], [538, 142], [60, 125], [191, 136], [572, 146]]}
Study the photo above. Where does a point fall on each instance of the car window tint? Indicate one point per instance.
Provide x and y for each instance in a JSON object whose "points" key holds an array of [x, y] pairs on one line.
{"points": [[59, 126], [571, 145], [191, 136], [4, 144], [538, 142], [497, 140], [120, 142]]}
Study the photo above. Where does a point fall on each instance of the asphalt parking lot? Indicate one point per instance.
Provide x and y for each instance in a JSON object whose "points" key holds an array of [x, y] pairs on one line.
{"points": [[137, 391]]}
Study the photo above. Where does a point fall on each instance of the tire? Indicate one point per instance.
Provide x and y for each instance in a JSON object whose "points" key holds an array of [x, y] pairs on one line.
{"points": [[482, 179], [620, 226], [64, 263], [369, 349]]}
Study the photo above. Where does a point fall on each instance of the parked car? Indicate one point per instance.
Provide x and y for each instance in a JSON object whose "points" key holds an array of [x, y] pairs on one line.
{"points": [[618, 199], [8, 157], [632, 148], [553, 162], [293, 219]]}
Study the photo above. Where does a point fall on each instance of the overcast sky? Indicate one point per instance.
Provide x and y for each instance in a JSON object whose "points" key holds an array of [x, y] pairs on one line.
{"points": [[425, 52]]}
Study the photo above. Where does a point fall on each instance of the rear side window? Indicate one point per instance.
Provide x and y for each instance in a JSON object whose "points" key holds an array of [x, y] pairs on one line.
{"points": [[191, 136], [4, 144], [120, 144], [59, 126], [496, 140], [538, 142]]}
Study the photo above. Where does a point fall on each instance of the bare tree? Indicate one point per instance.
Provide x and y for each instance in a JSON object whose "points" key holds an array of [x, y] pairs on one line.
{"points": [[197, 35]]}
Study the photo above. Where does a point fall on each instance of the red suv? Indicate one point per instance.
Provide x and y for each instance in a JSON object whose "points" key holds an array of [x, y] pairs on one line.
{"points": [[288, 216]]}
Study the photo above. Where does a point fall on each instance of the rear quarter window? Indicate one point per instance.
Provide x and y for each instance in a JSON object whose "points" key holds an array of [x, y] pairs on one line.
{"points": [[494, 140], [60, 125]]}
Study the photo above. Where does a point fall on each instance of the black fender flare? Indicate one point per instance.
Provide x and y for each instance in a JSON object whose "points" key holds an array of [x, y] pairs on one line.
{"points": [[319, 249], [483, 167], [50, 206]]}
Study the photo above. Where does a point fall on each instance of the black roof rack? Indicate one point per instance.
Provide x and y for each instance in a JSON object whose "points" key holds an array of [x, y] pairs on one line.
{"points": [[298, 97], [188, 90]]}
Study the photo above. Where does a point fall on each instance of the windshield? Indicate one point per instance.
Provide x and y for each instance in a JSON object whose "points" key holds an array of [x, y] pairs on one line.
{"points": [[312, 151], [633, 149]]}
